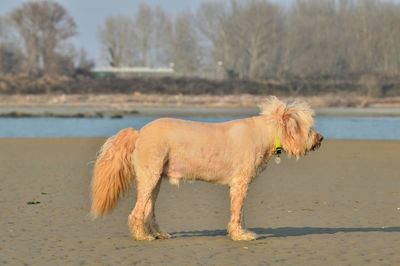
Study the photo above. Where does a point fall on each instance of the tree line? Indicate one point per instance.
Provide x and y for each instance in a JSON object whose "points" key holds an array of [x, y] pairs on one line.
{"points": [[259, 40]]}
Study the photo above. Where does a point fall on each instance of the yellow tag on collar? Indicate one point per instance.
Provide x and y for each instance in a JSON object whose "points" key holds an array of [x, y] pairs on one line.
{"points": [[278, 148], [277, 142]]}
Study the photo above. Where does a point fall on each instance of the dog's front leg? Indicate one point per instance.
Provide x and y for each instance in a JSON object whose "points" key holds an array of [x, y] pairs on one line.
{"points": [[238, 193]]}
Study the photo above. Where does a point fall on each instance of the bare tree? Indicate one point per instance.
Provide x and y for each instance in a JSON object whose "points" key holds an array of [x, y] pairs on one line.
{"points": [[244, 35], [144, 28], [160, 42], [312, 38], [11, 58], [261, 25], [210, 20], [142, 40], [118, 39], [44, 26], [4, 30], [184, 47]]}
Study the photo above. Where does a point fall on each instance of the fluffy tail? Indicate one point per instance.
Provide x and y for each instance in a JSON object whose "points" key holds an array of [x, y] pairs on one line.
{"points": [[113, 171]]}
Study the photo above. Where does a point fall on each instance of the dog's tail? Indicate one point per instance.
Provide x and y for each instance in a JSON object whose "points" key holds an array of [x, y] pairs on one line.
{"points": [[113, 171]]}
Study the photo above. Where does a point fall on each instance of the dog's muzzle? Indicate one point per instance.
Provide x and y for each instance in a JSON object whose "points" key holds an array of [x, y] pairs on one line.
{"points": [[318, 140]]}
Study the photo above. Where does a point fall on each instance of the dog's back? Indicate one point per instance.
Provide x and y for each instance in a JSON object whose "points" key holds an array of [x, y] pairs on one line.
{"points": [[193, 150]]}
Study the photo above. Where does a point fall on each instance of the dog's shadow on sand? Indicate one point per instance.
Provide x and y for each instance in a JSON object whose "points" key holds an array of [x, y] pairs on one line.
{"points": [[290, 231]]}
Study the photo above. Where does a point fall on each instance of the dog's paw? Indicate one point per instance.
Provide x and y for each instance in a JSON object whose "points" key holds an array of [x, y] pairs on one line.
{"points": [[162, 235], [243, 235], [144, 237]]}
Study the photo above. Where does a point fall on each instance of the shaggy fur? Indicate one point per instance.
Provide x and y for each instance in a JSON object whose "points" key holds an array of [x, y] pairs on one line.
{"points": [[230, 153]]}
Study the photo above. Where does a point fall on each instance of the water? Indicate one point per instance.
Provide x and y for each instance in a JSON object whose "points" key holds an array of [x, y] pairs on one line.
{"points": [[367, 128], [370, 128]]}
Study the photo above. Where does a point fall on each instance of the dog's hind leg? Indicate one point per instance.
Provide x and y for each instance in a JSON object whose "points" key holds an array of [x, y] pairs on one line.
{"points": [[146, 182], [238, 194], [148, 165], [136, 218], [150, 217]]}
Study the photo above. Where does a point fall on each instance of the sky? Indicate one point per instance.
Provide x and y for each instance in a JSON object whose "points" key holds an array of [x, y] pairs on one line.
{"points": [[90, 14]]}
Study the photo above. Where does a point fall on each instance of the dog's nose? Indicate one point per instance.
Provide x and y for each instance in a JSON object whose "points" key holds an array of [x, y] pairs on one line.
{"points": [[320, 137]]}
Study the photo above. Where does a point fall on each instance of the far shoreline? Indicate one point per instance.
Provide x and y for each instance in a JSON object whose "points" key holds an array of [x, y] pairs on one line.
{"points": [[83, 111], [120, 105]]}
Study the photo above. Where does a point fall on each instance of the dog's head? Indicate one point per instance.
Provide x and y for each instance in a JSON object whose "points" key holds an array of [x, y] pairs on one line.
{"points": [[293, 123]]}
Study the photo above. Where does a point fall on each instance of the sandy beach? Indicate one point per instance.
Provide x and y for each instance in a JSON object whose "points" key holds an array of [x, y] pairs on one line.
{"points": [[338, 206]]}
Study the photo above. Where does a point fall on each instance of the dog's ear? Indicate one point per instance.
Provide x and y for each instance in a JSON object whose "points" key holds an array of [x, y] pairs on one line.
{"points": [[292, 138], [297, 120], [274, 108]]}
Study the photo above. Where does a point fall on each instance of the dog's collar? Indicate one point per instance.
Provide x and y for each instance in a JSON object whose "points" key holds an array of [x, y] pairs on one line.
{"points": [[277, 143], [278, 148]]}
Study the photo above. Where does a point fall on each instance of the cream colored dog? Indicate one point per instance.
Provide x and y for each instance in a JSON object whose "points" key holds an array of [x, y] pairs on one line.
{"points": [[230, 153]]}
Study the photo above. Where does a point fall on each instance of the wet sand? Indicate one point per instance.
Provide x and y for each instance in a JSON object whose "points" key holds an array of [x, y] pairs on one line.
{"points": [[338, 206]]}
